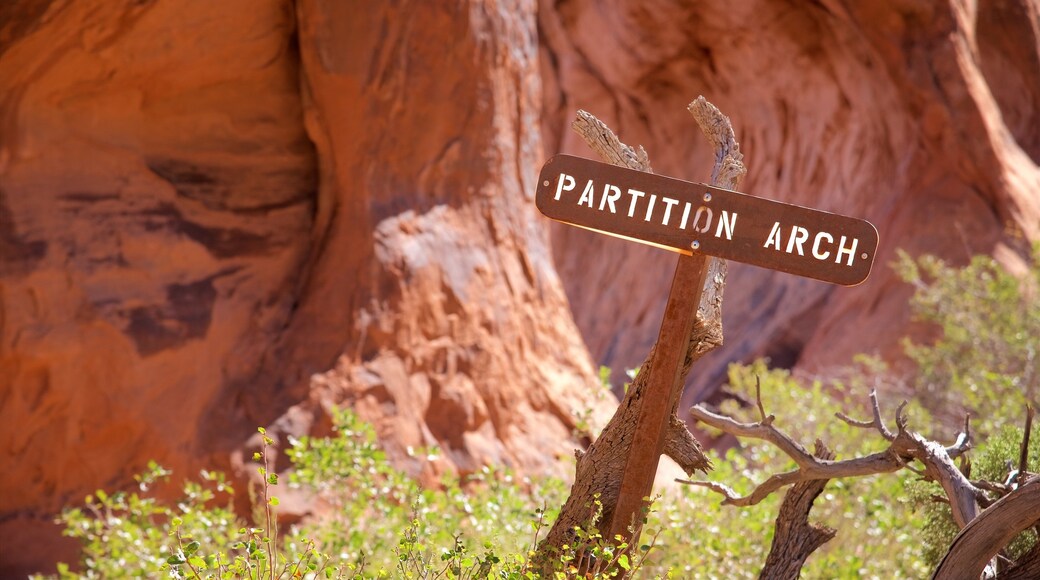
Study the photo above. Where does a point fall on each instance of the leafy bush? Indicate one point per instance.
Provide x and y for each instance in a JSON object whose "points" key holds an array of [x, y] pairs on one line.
{"points": [[127, 533], [983, 362], [986, 359], [381, 523], [376, 522], [383, 517]]}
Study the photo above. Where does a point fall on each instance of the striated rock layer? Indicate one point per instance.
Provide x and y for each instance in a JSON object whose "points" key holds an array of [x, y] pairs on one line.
{"points": [[218, 215]]}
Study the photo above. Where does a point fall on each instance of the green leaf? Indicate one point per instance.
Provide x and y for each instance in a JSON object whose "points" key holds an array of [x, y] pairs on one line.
{"points": [[191, 548], [623, 562], [175, 559]]}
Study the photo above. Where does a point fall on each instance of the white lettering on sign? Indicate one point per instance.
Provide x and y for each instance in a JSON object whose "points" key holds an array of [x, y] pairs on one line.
{"points": [[561, 185], [587, 195], [816, 253], [669, 203], [793, 239], [650, 208], [703, 216], [774, 237], [608, 197], [851, 250], [632, 206], [800, 235], [726, 225], [697, 219]]}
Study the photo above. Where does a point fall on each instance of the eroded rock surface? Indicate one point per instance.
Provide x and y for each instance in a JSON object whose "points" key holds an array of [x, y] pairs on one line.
{"points": [[919, 117], [157, 192], [215, 216], [218, 215]]}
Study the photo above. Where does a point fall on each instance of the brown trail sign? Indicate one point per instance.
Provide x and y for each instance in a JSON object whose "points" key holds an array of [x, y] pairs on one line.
{"points": [[697, 221], [694, 218]]}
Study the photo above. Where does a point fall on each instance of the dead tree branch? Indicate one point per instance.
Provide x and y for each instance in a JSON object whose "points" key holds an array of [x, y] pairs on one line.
{"points": [[877, 422], [905, 446], [795, 537], [1023, 453], [606, 144], [980, 541], [809, 467], [1026, 567]]}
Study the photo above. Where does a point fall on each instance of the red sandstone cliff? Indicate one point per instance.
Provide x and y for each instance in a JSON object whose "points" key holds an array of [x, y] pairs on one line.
{"points": [[922, 117], [215, 215], [214, 211]]}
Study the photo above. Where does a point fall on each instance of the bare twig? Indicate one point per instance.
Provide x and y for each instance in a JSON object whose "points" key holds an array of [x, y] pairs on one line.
{"points": [[730, 495], [992, 486], [763, 418], [1023, 454], [876, 423], [900, 416], [854, 422], [876, 409]]}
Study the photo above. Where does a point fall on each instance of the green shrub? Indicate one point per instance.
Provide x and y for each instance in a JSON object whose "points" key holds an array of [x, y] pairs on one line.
{"points": [[985, 360], [381, 523], [385, 516], [995, 460], [377, 522]]}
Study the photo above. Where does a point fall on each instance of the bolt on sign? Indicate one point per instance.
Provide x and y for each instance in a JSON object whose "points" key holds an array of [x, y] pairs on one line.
{"points": [[693, 218]]}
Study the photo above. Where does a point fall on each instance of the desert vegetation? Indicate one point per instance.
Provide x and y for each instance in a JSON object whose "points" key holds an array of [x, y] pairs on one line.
{"points": [[378, 522]]}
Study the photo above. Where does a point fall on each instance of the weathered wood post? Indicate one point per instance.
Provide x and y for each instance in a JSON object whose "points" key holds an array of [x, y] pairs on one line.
{"points": [[696, 220], [599, 470], [663, 390]]}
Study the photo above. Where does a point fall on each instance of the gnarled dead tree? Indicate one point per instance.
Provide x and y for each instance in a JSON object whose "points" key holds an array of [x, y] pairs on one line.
{"points": [[599, 469], [986, 524]]}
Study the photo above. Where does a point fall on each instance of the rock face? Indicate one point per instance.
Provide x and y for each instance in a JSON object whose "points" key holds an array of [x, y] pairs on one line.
{"points": [[157, 198], [218, 215], [213, 215], [457, 329], [921, 117]]}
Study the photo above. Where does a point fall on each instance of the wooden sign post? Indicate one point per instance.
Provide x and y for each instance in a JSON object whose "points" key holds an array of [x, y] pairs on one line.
{"points": [[698, 221]]}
